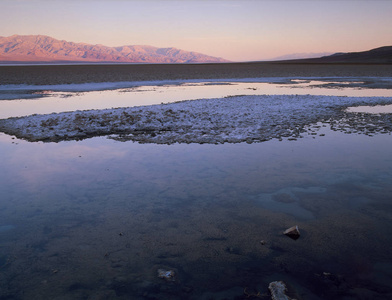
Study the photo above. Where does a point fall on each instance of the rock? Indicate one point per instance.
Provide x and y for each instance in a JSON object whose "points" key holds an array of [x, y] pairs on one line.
{"points": [[292, 232], [168, 275], [278, 291]]}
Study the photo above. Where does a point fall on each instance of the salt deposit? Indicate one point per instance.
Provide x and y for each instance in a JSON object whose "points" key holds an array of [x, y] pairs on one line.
{"points": [[221, 120]]}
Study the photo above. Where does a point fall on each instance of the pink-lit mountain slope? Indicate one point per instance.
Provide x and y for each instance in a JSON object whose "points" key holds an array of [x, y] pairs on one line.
{"points": [[40, 48]]}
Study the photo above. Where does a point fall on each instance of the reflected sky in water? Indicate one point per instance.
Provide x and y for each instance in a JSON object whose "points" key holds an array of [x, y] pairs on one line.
{"points": [[378, 109], [97, 218], [106, 214], [157, 94]]}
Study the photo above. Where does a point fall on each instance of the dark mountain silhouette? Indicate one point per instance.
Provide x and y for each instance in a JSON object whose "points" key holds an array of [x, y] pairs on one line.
{"points": [[382, 55]]}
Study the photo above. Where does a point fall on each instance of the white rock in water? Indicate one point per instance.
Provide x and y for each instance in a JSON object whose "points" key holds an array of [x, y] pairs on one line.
{"points": [[278, 291], [168, 275], [292, 232]]}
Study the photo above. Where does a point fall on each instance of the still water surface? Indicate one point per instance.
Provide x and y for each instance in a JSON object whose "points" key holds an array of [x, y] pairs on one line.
{"points": [[52, 101], [96, 219]]}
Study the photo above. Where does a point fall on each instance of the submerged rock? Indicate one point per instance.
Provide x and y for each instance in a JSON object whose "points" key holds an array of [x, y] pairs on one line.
{"points": [[278, 291], [168, 275], [292, 232]]}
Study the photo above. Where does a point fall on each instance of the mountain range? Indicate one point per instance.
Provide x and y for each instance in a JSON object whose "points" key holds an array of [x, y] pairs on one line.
{"points": [[41, 48], [381, 55], [45, 49], [301, 55]]}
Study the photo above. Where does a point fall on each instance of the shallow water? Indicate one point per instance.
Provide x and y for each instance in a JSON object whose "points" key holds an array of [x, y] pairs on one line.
{"points": [[97, 219], [377, 109], [27, 100]]}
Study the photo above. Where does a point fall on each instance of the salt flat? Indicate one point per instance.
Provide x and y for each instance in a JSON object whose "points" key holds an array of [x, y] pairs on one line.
{"points": [[68, 74], [234, 119], [105, 215]]}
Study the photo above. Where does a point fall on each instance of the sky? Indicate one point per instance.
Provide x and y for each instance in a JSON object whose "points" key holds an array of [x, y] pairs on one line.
{"points": [[237, 30]]}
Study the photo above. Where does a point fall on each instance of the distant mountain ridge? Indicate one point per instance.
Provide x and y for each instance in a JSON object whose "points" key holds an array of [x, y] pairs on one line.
{"points": [[301, 55], [41, 48], [381, 55]]}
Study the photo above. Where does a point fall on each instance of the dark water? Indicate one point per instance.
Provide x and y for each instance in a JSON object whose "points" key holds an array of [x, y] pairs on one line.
{"points": [[97, 219]]}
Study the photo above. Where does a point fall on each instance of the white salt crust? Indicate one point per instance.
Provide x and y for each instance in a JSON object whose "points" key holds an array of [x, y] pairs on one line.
{"points": [[231, 119]]}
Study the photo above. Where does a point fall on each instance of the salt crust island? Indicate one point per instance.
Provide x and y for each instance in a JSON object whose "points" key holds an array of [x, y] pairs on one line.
{"points": [[231, 119]]}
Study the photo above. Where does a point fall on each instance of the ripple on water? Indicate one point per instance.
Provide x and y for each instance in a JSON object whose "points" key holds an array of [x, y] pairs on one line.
{"points": [[287, 201], [4, 228]]}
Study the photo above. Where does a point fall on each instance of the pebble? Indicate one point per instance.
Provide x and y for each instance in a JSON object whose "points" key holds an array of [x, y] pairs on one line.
{"points": [[292, 232]]}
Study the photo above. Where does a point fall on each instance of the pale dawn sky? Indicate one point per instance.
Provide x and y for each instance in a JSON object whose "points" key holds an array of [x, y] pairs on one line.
{"points": [[244, 30]]}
